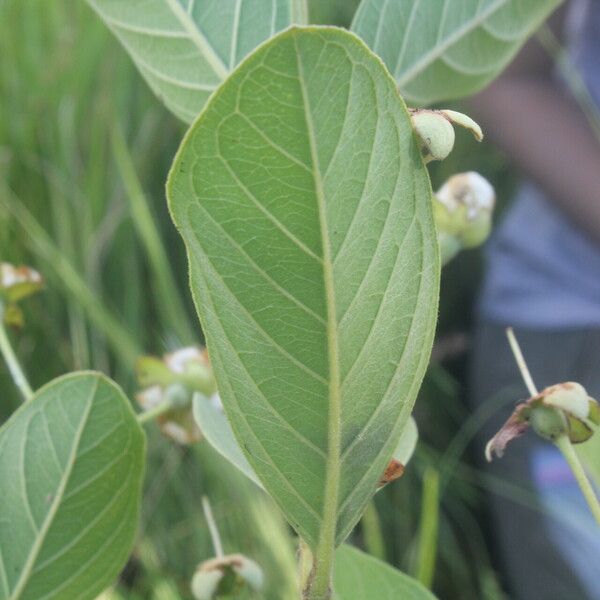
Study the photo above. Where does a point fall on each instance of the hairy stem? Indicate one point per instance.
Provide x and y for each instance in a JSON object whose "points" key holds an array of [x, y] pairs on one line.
{"points": [[12, 361], [564, 445]]}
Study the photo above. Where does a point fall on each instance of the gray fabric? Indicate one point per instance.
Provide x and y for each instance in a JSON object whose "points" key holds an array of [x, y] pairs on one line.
{"points": [[532, 567], [544, 271]]}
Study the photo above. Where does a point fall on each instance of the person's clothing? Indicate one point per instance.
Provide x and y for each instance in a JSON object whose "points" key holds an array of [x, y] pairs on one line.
{"points": [[547, 542], [544, 272]]}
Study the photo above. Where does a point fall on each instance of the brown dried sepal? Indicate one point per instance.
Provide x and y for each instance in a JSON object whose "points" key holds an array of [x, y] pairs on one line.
{"points": [[516, 425], [393, 471]]}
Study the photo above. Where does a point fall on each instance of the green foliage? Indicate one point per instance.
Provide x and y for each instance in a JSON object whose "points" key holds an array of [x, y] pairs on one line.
{"points": [[185, 49], [306, 211], [589, 454], [442, 49], [358, 576], [217, 431], [71, 464]]}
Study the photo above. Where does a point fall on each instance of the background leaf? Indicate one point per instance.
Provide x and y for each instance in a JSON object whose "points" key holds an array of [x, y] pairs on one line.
{"points": [[589, 454], [217, 431], [442, 49], [358, 576], [185, 49], [306, 211], [71, 464]]}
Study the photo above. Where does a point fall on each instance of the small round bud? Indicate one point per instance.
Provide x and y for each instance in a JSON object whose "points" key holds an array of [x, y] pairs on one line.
{"points": [[205, 584], [548, 422], [435, 133]]}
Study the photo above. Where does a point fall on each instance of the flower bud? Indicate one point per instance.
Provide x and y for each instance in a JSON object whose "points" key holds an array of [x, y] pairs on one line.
{"points": [[435, 131], [548, 422], [16, 283], [462, 210], [175, 379], [561, 409], [226, 576]]}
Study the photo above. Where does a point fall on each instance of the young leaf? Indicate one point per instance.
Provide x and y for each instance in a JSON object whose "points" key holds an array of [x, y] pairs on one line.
{"points": [[358, 576], [71, 464], [306, 211], [185, 49], [442, 49]]}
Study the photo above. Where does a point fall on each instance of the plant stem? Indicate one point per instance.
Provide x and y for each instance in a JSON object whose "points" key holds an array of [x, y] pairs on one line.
{"points": [[212, 527], [372, 534], [428, 529], [156, 411], [564, 445], [12, 361], [516, 350]]}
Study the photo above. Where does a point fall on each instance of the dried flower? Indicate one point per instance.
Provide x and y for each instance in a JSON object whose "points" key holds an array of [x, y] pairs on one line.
{"points": [[561, 409]]}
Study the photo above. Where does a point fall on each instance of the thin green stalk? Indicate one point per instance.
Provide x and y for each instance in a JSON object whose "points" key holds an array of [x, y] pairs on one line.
{"points": [[428, 528], [212, 528], [572, 76], [167, 294], [371, 530], [156, 411], [520, 360], [564, 445], [12, 361]]}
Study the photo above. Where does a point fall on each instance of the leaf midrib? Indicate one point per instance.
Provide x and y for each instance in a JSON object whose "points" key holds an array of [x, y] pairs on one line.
{"points": [[437, 51], [198, 38], [334, 441], [41, 535]]}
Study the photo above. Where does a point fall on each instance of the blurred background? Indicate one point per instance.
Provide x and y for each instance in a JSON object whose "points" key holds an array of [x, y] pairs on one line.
{"points": [[84, 153]]}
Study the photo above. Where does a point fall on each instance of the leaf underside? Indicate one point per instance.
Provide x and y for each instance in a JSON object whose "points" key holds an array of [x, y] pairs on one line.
{"points": [[185, 48], [442, 49], [358, 576], [306, 212], [71, 464]]}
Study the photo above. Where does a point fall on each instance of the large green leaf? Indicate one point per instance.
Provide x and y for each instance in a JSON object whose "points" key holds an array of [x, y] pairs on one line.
{"points": [[186, 48], [441, 49], [217, 431], [71, 464], [358, 576], [306, 211]]}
